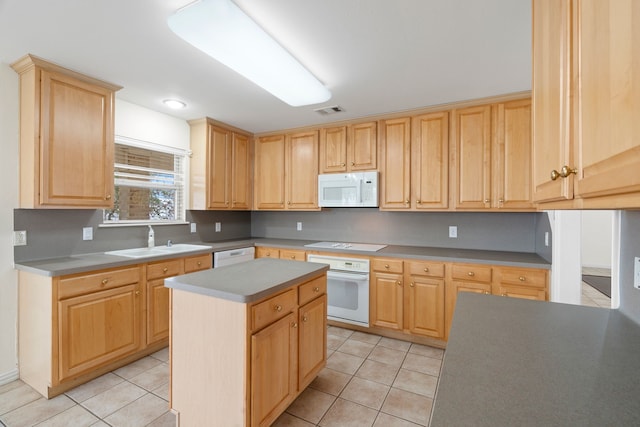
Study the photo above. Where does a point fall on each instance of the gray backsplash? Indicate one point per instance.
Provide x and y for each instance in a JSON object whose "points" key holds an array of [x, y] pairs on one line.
{"points": [[629, 248], [476, 230]]}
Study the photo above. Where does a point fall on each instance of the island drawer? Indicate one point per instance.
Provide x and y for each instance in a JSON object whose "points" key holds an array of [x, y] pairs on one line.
{"points": [[426, 268], [87, 283], [267, 312], [386, 265], [471, 272], [312, 289], [522, 276], [160, 269], [197, 263]]}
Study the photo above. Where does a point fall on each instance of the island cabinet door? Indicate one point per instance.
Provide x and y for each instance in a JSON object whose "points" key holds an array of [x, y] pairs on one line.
{"points": [[313, 340], [274, 368]]}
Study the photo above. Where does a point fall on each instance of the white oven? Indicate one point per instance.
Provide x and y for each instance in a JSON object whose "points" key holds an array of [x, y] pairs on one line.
{"points": [[347, 288]]}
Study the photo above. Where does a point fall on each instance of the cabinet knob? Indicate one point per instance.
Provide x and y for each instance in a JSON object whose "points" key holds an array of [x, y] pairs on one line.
{"points": [[289, 202], [522, 278], [471, 274], [108, 197], [555, 175], [386, 266], [412, 284], [104, 281], [137, 293], [419, 201], [486, 292], [294, 325], [343, 165], [164, 270], [226, 203], [277, 308], [316, 289], [487, 200], [305, 318], [268, 253], [426, 269], [353, 163], [293, 257], [398, 282], [501, 201], [504, 295], [566, 171], [406, 202]]}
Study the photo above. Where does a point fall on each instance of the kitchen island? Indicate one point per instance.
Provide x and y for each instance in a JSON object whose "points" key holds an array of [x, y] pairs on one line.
{"points": [[511, 362], [246, 340]]}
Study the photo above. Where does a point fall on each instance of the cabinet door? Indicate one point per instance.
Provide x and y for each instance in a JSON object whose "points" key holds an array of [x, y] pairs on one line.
{"points": [[333, 150], [76, 143], [240, 172], [550, 98], [386, 300], [425, 306], [395, 167], [274, 361], [606, 139], [473, 157], [269, 179], [512, 156], [313, 340], [362, 147], [157, 311], [219, 163], [302, 171], [97, 328], [430, 161]]}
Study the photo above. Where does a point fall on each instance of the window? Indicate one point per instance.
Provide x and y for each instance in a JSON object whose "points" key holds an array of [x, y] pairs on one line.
{"points": [[149, 183]]}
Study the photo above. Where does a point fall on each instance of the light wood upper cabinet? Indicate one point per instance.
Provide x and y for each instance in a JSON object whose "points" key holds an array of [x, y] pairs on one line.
{"points": [[586, 101], [430, 161], [348, 148], [220, 167], [269, 175], [66, 137], [395, 163], [302, 171]]}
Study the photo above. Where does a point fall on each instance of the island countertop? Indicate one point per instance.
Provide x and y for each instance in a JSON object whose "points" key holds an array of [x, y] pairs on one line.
{"points": [[512, 362], [249, 281]]}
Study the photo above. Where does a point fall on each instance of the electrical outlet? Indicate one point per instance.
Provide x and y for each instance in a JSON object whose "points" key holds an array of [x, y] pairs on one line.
{"points": [[546, 238], [218, 227], [636, 272], [193, 227], [20, 238], [87, 233], [453, 231], [299, 226]]}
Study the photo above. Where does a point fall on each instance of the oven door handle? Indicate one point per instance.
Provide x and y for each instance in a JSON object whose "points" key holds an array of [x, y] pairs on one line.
{"points": [[357, 277]]}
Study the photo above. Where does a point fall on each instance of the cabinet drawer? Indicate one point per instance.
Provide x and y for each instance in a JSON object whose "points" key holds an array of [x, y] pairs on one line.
{"points": [[471, 272], [262, 252], [312, 289], [386, 265], [292, 255], [426, 268], [197, 263], [168, 268], [87, 283], [523, 277], [269, 311]]}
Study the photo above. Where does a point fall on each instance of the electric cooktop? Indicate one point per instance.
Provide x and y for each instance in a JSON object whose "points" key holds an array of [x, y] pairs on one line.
{"points": [[364, 247]]}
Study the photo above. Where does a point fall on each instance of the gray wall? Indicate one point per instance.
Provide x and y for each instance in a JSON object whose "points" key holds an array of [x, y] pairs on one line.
{"points": [[58, 232], [491, 231], [629, 248]]}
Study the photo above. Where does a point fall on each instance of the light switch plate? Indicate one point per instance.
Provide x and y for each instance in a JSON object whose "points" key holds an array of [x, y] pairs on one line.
{"points": [[636, 272], [20, 238], [453, 231], [193, 227], [299, 226], [87, 233], [218, 227]]}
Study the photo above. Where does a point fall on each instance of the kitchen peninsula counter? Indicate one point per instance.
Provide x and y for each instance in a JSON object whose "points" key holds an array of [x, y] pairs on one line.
{"points": [[512, 362]]}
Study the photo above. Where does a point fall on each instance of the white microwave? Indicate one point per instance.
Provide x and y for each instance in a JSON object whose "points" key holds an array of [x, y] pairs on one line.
{"points": [[342, 190]]}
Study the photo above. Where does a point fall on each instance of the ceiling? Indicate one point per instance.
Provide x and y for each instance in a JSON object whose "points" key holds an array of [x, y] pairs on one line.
{"points": [[375, 56]]}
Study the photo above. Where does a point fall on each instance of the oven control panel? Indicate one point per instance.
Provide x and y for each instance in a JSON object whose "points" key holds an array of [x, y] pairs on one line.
{"points": [[342, 263]]}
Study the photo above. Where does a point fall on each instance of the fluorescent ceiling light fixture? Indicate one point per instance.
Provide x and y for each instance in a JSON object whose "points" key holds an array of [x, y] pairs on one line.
{"points": [[174, 104], [223, 31]]}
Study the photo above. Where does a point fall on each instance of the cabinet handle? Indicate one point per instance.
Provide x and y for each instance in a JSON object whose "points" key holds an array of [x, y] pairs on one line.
{"points": [[411, 284], [471, 274], [305, 318], [398, 282], [386, 266], [108, 197], [277, 308], [199, 263], [419, 202], [486, 292], [487, 200], [501, 201], [555, 175], [353, 163], [566, 171], [137, 293], [426, 269], [522, 278], [406, 202], [164, 270], [343, 165], [293, 257], [316, 289], [104, 281], [294, 325], [289, 202]]}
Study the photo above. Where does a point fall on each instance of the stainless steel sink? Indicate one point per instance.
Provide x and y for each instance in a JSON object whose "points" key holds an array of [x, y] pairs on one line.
{"points": [[157, 250]]}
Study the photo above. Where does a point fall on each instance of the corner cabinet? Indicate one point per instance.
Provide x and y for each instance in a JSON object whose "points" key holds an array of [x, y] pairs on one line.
{"points": [[286, 172], [220, 166], [586, 148], [66, 137]]}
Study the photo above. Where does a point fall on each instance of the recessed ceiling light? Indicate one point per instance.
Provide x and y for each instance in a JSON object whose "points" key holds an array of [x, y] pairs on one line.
{"points": [[174, 104]]}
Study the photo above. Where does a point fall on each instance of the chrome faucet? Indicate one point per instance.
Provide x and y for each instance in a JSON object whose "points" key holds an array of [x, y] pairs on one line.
{"points": [[151, 241], [169, 243]]}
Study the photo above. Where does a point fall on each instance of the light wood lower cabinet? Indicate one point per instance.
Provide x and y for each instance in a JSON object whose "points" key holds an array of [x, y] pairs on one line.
{"points": [[243, 364], [386, 288], [424, 299], [158, 297], [290, 254]]}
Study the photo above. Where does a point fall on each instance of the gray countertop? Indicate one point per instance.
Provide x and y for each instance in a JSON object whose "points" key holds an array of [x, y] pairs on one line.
{"points": [[512, 362], [87, 262], [249, 281]]}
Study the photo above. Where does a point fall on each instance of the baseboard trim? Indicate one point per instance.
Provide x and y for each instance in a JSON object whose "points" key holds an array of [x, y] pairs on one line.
{"points": [[7, 377]]}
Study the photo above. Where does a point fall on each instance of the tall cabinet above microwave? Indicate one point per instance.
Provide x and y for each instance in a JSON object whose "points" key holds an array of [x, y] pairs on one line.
{"points": [[357, 189]]}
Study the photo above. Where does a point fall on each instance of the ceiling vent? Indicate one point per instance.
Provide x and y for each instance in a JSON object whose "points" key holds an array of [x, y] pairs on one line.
{"points": [[325, 111]]}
